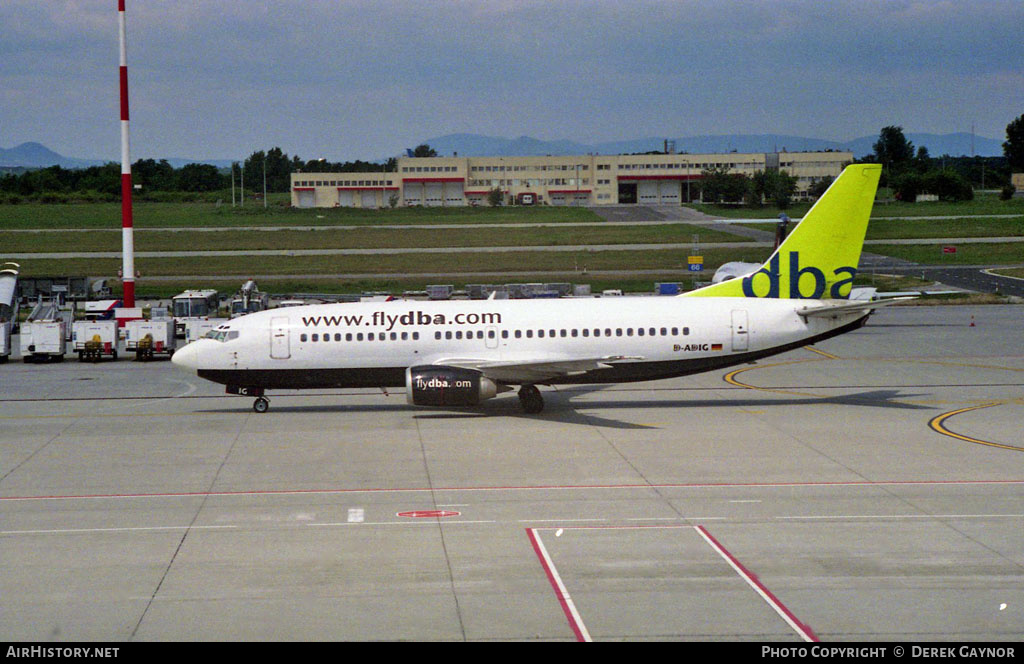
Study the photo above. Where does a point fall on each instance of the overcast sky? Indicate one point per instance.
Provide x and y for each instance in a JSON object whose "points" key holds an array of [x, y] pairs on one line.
{"points": [[346, 79]]}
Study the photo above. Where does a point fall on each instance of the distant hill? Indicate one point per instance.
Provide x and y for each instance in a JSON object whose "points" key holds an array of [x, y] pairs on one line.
{"points": [[473, 145], [178, 162], [36, 155]]}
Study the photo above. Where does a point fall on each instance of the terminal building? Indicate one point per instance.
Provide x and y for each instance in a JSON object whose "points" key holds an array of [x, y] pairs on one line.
{"points": [[641, 179]]}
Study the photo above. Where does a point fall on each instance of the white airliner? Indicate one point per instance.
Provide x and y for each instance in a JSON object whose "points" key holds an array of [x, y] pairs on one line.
{"points": [[458, 353]]}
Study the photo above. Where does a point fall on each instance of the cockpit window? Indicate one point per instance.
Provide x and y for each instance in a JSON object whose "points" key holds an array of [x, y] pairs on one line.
{"points": [[222, 335]]}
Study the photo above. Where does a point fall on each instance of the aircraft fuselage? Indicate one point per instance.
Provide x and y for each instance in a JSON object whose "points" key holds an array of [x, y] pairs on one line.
{"points": [[372, 344]]}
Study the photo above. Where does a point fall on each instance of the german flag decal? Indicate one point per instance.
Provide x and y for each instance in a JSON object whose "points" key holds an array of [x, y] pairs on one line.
{"points": [[716, 346]]}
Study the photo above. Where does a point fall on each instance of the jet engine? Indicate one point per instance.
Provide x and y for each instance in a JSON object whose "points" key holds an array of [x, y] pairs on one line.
{"points": [[433, 385]]}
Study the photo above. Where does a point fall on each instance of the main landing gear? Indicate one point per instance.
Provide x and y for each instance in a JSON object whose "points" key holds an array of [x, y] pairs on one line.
{"points": [[530, 399]]}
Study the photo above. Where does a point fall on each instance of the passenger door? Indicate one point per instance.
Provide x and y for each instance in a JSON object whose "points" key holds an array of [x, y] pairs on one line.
{"points": [[740, 333], [279, 338]]}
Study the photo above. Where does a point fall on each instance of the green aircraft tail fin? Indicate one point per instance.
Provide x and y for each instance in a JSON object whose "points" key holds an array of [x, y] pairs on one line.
{"points": [[819, 258]]}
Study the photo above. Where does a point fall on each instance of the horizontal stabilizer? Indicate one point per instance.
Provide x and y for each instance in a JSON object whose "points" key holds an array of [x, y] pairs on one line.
{"points": [[850, 307]]}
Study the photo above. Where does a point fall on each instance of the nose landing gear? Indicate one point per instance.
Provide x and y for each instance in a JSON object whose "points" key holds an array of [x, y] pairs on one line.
{"points": [[262, 403]]}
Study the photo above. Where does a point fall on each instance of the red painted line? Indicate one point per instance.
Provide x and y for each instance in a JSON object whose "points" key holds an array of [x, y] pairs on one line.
{"points": [[801, 628], [579, 487], [568, 608], [652, 526]]}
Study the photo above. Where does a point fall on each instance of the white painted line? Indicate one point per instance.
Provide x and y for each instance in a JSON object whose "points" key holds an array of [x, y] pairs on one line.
{"points": [[992, 273], [803, 630], [568, 607], [75, 531], [614, 487], [356, 515], [558, 520]]}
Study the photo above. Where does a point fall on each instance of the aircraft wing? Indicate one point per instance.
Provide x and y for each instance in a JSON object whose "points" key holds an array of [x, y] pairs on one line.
{"points": [[849, 307], [534, 371]]}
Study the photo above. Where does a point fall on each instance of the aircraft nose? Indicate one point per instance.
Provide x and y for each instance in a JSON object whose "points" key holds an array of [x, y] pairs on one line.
{"points": [[187, 357]]}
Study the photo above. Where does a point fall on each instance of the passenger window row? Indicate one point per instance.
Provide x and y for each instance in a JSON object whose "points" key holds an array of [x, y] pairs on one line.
{"points": [[565, 333], [359, 336], [505, 334]]}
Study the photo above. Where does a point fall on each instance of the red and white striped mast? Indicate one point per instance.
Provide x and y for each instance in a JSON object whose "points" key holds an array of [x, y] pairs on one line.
{"points": [[127, 229]]}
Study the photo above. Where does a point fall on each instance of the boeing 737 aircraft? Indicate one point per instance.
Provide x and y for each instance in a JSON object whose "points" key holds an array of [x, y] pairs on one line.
{"points": [[459, 353]]}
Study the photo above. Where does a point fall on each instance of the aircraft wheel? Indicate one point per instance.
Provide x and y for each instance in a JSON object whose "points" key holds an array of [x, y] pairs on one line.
{"points": [[261, 405], [530, 399]]}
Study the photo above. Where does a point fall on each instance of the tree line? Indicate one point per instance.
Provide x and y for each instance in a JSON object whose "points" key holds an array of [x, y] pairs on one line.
{"points": [[718, 185], [103, 183], [907, 172]]}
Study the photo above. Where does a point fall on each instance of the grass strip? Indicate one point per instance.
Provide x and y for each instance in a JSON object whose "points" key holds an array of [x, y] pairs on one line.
{"points": [[184, 215], [362, 238]]}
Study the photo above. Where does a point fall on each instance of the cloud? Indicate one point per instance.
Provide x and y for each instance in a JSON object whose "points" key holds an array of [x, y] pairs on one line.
{"points": [[216, 78]]}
